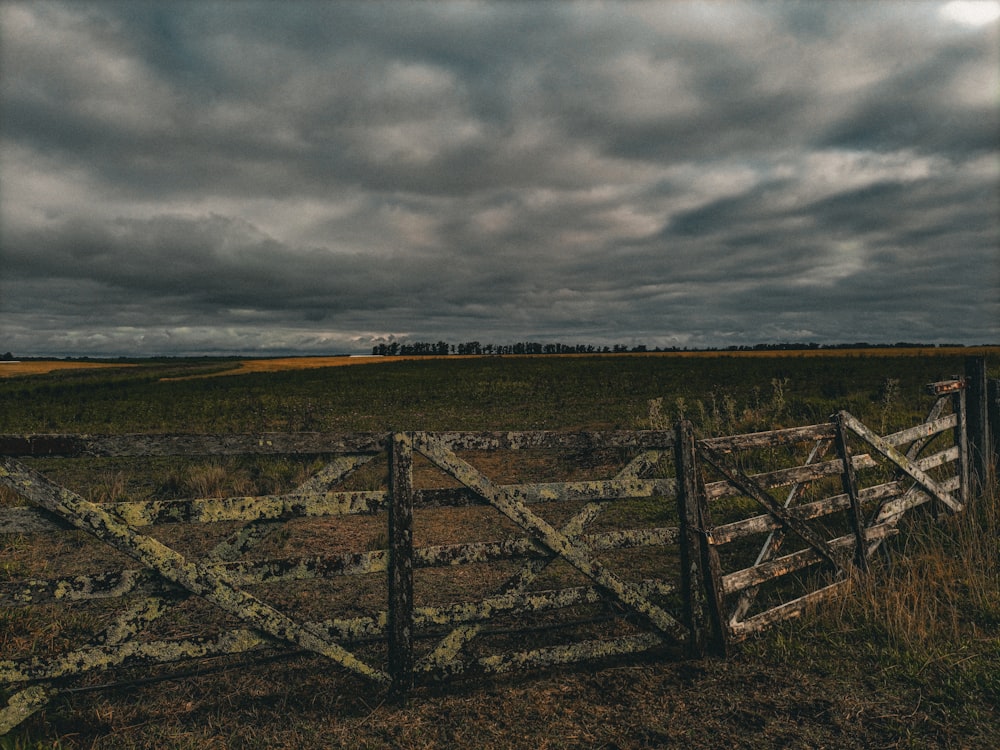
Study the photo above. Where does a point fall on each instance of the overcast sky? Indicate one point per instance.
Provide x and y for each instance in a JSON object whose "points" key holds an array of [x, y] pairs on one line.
{"points": [[241, 177]]}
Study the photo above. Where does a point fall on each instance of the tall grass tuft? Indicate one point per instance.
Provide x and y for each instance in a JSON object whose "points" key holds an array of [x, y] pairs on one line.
{"points": [[939, 588]]}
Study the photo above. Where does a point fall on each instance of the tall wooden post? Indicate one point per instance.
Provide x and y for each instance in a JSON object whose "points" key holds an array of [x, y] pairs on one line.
{"points": [[977, 422], [400, 625], [962, 441], [993, 412], [850, 484], [701, 585]]}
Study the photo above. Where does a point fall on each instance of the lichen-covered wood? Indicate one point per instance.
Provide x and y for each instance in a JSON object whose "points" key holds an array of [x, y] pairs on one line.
{"points": [[717, 606]]}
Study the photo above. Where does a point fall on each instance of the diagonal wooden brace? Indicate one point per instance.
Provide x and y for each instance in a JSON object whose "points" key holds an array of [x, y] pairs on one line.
{"points": [[449, 646], [143, 613], [772, 545], [750, 487], [555, 540], [214, 586], [904, 463]]}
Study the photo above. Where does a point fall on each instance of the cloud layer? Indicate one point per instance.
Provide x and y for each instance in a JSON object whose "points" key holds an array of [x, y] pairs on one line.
{"points": [[318, 177]]}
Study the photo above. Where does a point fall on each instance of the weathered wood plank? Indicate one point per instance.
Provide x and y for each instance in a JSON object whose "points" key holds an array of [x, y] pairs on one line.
{"points": [[190, 445], [805, 512], [103, 658], [945, 386], [962, 441], [769, 438], [553, 539], [785, 477], [543, 439], [750, 488], [901, 461], [400, 630], [23, 704], [767, 571], [210, 585], [924, 430], [977, 424], [692, 531], [519, 602], [913, 498], [300, 504], [547, 657], [850, 484], [29, 520], [113, 584], [786, 611]]}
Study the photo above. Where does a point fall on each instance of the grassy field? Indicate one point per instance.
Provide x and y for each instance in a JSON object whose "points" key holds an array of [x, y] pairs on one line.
{"points": [[911, 658]]}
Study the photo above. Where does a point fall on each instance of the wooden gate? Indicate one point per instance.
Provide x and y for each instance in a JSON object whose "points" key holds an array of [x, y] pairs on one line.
{"points": [[593, 544], [844, 490], [597, 611]]}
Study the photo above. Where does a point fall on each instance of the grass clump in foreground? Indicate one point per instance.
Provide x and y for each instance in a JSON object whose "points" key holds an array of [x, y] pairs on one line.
{"points": [[922, 631]]}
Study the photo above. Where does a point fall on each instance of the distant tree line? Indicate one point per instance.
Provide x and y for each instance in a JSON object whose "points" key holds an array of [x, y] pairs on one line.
{"points": [[395, 348], [443, 348]]}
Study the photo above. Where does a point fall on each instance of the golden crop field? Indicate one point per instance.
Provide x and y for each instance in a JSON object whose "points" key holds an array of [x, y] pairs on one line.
{"points": [[40, 367]]}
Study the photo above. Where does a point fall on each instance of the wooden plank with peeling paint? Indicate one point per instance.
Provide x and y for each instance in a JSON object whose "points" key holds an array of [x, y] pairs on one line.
{"points": [[793, 475], [752, 489], [805, 512], [770, 438], [922, 431], [191, 444], [908, 466], [787, 611], [210, 585], [946, 386], [444, 458], [547, 657], [795, 561]]}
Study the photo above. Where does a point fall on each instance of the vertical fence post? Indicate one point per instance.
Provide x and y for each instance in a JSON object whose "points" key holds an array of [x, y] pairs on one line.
{"points": [[701, 587], [962, 441], [977, 422], [850, 484], [400, 624], [993, 414]]}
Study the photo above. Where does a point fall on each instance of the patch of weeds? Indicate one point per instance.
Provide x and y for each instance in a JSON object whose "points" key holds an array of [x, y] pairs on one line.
{"points": [[24, 741], [12, 550]]}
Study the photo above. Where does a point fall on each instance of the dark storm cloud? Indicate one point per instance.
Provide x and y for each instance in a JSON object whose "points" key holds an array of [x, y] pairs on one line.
{"points": [[188, 177]]}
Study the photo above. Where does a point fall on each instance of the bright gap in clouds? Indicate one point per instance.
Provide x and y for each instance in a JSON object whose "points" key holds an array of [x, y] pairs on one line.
{"points": [[972, 12]]}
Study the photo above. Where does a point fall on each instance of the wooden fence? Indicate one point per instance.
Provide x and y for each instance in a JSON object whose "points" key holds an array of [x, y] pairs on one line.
{"points": [[587, 545]]}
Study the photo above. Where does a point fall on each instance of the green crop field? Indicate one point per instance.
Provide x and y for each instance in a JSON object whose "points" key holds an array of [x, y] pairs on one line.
{"points": [[547, 392], [909, 658]]}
